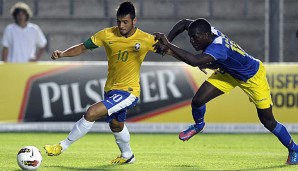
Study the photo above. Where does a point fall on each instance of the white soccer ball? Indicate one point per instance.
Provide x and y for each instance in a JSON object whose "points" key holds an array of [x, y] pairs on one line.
{"points": [[29, 158]]}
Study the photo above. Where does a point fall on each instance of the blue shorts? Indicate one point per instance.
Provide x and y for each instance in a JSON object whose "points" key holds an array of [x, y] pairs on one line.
{"points": [[117, 102]]}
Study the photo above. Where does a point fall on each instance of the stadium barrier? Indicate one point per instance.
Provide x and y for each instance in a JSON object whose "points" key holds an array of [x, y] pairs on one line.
{"points": [[51, 96]]}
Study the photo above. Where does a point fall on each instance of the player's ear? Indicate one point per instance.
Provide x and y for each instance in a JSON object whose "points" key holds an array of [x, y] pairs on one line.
{"points": [[134, 21]]}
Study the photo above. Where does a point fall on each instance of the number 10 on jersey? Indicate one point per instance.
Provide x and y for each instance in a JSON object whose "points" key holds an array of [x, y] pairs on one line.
{"points": [[123, 56]]}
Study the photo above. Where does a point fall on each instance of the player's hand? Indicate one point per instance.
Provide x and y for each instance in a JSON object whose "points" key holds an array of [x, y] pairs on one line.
{"points": [[161, 37], [160, 48], [57, 54]]}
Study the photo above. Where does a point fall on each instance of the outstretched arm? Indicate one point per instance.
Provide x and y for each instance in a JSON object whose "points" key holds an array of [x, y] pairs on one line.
{"points": [[200, 60], [70, 52], [178, 28]]}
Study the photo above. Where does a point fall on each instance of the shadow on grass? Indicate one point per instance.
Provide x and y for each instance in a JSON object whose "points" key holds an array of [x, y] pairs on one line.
{"points": [[268, 168], [100, 167], [189, 167], [180, 168]]}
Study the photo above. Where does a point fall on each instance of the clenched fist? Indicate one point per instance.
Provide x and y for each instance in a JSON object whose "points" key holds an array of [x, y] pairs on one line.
{"points": [[57, 54]]}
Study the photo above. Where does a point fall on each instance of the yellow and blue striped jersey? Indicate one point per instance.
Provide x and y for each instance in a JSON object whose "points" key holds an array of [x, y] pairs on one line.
{"points": [[125, 56]]}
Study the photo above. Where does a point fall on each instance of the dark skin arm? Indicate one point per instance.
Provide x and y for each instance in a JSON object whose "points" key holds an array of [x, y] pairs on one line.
{"points": [[178, 28], [199, 60], [163, 49]]}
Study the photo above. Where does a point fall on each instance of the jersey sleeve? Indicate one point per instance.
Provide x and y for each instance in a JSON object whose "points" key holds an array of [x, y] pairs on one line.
{"points": [[96, 40], [217, 50]]}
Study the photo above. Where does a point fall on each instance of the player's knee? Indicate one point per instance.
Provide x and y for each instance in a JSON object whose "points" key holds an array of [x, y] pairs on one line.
{"points": [[197, 102], [116, 126], [91, 114]]}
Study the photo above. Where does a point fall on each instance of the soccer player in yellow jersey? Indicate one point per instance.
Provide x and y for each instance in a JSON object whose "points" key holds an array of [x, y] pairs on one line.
{"points": [[126, 47]]}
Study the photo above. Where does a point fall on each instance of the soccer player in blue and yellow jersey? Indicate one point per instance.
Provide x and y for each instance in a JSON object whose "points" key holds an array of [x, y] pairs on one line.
{"points": [[234, 68], [126, 47]]}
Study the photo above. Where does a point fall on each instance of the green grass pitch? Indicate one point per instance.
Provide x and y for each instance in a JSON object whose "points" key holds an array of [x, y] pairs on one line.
{"points": [[244, 152]]}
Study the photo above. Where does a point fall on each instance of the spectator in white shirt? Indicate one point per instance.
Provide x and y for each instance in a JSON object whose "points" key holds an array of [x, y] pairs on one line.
{"points": [[22, 41]]}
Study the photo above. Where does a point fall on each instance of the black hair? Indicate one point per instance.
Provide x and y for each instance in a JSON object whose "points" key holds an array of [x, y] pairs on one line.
{"points": [[17, 11], [200, 25], [126, 8], [18, 7]]}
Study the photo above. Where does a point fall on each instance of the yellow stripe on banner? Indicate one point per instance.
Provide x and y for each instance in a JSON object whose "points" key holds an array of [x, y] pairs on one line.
{"points": [[13, 81]]}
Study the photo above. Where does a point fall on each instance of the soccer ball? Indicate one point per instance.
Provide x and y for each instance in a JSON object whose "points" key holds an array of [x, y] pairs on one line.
{"points": [[29, 158]]}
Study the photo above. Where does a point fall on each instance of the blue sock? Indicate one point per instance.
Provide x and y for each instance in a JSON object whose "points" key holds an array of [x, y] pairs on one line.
{"points": [[284, 137], [198, 113]]}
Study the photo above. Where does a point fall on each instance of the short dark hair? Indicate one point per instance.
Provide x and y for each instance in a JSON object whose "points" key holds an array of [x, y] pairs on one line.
{"points": [[126, 8], [201, 25]]}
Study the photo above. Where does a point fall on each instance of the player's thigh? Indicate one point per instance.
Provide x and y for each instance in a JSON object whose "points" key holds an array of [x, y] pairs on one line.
{"points": [[222, 81], [205, 93], [258, 90]]}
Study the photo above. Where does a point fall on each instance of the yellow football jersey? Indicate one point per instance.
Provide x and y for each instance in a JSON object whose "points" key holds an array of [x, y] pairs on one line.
{"points": [[125, 56]]}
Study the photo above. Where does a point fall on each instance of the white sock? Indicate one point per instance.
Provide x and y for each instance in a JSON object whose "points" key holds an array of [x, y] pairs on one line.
{"points": [[80, 128], [122, 139]]}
